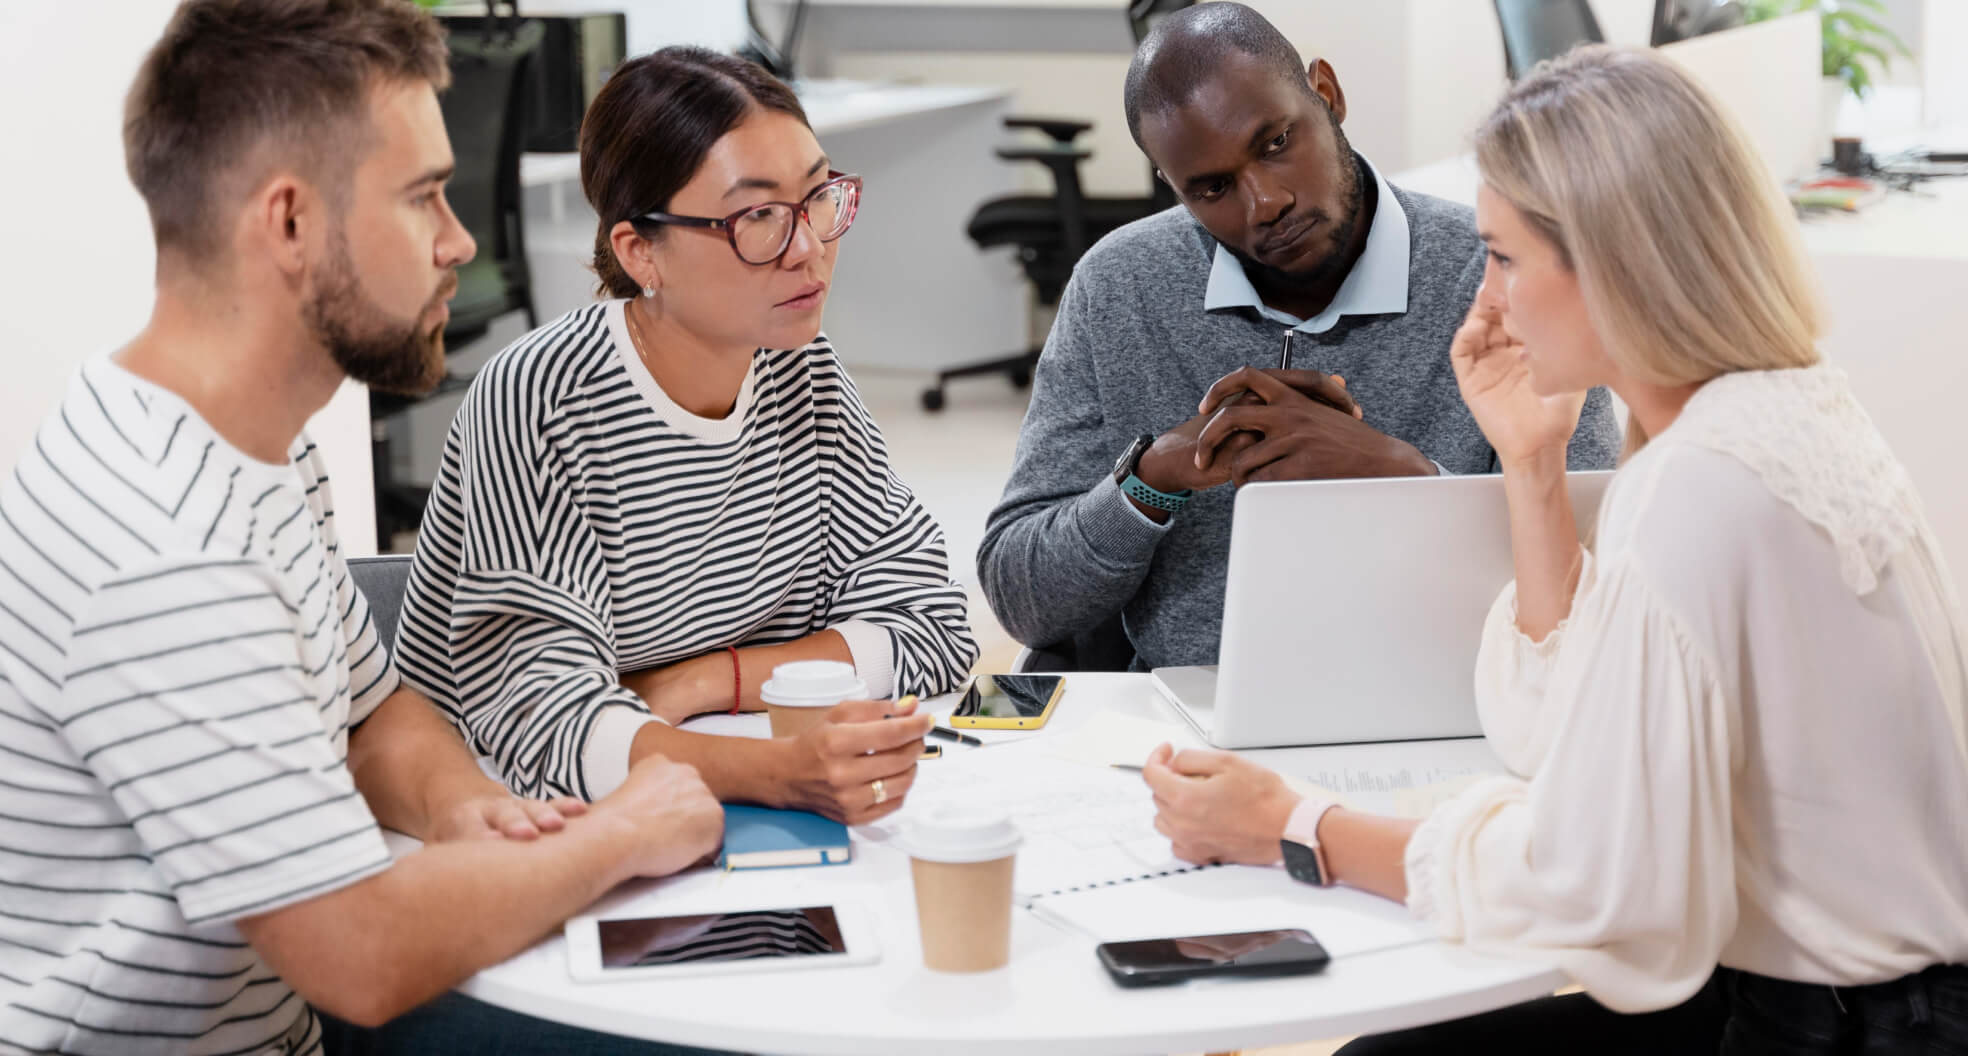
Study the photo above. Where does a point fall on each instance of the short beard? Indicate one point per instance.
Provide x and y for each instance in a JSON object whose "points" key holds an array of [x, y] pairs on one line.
{"points": [[1353, 197], [386, 354]]}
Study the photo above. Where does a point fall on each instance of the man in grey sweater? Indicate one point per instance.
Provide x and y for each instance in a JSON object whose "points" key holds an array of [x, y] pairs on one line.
{"points": [[1281, 227]]}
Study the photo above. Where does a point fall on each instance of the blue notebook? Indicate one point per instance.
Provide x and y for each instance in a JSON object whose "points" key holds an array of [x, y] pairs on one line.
{"points": [[763, 838]]}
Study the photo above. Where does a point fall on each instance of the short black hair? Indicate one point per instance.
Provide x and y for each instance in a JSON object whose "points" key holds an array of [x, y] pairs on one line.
{"points": [[1182, 51]]}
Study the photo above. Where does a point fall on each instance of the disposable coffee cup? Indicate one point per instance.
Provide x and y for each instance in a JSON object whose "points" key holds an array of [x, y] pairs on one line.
{"points": [[798, 694], [961, 860]]}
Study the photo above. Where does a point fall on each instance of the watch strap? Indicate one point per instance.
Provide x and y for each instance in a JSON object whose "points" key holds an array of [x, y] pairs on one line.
{"points": [[1305, 858], [1134, 488]]}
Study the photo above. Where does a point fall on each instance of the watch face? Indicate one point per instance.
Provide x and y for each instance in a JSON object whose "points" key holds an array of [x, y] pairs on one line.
{"points": [[1302, 863], [1128, 458]]}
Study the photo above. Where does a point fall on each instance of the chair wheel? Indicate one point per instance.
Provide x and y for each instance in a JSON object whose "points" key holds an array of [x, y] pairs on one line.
{"points": [[932, 399], [1021, 378]]}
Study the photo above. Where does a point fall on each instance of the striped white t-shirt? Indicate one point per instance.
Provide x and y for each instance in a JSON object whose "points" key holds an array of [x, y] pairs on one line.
{"points": [[181, 655], [583, 525]]}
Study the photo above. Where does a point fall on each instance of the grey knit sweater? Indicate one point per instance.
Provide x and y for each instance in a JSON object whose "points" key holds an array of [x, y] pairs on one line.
{"points": [[1132, 351]]}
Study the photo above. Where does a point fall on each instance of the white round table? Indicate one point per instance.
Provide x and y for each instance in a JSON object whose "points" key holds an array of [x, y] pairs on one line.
{"points": [[1053, 996]]}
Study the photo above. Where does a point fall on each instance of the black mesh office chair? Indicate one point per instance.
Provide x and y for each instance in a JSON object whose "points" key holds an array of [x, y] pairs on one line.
{"points": [[484, 115], [1105, 646], [1536, 30], [1143, 14], [1676, 20], [1051, 232]]}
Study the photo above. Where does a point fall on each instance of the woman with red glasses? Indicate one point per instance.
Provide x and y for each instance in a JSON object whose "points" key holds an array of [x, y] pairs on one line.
{"points": [[649, 503]]}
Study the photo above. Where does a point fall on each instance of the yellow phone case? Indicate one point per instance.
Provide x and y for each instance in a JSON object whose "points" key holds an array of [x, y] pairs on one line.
{"points": [[1011, 722]]}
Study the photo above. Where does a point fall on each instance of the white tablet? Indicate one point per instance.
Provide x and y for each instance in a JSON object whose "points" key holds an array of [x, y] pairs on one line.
{"points": [[711, 938]]}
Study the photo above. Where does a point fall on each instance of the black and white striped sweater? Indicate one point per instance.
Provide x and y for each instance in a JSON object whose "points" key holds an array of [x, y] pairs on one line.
{"points": [[583, 525]]}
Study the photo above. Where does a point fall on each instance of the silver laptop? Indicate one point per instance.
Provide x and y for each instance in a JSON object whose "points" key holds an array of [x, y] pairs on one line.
{"points": [[1353, 610]]}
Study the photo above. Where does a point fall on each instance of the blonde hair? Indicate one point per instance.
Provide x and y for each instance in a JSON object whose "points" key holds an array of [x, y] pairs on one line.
{"points": [[1687, 255]]}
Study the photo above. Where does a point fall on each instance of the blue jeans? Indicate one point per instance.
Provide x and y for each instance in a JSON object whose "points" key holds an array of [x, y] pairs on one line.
{"points": [[1736, 1014], [455, 1025]]}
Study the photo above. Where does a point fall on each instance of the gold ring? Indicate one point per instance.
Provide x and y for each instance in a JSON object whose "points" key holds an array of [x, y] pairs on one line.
{"points": [[881, 792]]}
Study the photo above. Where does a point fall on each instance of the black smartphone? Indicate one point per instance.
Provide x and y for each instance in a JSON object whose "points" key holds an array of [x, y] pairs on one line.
{"points": [[1149, 962]]}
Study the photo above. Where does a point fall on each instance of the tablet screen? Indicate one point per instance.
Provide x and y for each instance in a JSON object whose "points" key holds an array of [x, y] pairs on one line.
{"points": [[738, 936]]}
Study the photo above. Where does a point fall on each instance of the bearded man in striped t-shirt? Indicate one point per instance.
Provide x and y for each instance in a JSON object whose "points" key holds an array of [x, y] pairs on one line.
{"points": [[203, 734]]}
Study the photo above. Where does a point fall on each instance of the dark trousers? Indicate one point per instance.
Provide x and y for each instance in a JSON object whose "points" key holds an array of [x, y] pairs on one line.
{"points": [[1735, 1014], [455, 1025]]}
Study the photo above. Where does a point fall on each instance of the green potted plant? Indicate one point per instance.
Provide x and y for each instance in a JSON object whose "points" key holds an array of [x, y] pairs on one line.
{"points": [[1854, 42], [1851, 37]]}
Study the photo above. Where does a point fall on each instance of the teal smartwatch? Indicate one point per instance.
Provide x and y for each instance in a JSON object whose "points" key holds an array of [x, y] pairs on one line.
{"points": [[1133, 487]]}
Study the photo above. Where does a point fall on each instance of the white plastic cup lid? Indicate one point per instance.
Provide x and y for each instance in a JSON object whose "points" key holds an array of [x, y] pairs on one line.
{"points": [[960, 834], [812, 684]]}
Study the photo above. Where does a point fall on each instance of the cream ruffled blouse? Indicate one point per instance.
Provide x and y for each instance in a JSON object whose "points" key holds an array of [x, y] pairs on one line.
{"points": [[1745, 745]]}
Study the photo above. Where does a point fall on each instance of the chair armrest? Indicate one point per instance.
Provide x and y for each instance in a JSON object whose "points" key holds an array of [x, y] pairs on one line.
{"points": [[1058, 128], [1064, 161], [1047, 156]]}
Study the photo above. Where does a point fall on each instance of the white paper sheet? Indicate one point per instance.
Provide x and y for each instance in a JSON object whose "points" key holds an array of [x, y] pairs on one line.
{"points": [[1234, 898], [1082, 824]]}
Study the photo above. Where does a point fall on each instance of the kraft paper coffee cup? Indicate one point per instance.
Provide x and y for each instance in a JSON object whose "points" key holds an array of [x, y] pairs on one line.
{"points": [[961, 860], [798, 694]]}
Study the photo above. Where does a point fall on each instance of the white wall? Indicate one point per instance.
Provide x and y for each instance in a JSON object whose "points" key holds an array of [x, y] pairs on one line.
{"points": [[76, 259], [1761, 73], [1455, 74], [1418, 74], [1944, 60], [75, 249], [653, 24], [1084, 87]]}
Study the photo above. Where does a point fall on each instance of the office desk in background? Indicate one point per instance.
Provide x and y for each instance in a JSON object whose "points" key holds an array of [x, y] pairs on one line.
{"points": [[1053, 997], [1016, 26], [910, 290]]}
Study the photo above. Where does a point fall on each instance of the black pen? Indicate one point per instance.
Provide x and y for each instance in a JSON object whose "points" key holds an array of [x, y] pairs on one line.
{"points": [[938, 731], [1284, 354], [952, 735]]}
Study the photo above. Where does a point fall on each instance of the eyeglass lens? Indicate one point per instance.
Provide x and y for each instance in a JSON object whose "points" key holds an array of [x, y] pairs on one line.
{"points": [[763, 234]]}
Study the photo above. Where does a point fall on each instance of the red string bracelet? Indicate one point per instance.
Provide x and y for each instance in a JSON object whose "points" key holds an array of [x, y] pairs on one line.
{"points": [[737, 681]]}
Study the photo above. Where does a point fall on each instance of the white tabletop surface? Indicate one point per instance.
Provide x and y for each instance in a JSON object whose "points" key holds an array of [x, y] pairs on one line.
{"points": [[831, 107], [1053, 997]]}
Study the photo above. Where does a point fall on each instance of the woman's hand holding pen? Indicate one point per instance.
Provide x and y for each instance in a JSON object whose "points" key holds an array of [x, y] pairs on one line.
{"points": [[1218, 807]]}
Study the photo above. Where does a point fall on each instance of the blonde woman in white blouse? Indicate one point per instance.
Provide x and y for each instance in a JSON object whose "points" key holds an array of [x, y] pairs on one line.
{"points": [[1735, 726]]}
